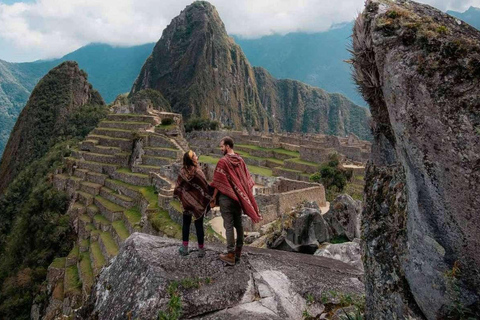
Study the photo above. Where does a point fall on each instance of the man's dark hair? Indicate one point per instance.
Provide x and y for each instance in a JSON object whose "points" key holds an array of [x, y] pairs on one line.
{"points": [[227, 141]]}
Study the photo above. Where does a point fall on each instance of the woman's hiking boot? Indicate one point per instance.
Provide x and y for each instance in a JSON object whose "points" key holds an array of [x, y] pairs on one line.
{"points": [[228, 258], [183, 250], [238, 253], [201, 252]]}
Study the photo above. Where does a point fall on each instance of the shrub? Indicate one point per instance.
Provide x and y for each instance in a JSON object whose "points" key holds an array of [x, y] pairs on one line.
{"points": [[201, 124], [167, 121]]}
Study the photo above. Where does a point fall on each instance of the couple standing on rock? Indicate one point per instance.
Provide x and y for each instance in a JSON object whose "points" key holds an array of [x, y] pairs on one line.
{"points": [[231, 188]]}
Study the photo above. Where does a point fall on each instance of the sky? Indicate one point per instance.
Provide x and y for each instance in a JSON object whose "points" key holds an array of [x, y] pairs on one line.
{"points": [[45, 29]]}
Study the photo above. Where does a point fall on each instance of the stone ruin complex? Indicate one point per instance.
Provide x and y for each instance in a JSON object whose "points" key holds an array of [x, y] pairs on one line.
{"points": [[121, 181]]}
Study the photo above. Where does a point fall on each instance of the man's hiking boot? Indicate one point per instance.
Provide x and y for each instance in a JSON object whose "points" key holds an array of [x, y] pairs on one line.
{"points": [[228, 258], [183, 251], [201, 252], [238, 253]]}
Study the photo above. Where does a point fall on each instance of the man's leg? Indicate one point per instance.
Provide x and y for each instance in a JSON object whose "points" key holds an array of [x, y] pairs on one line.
{"points": [[227, 215], [237, 223]]}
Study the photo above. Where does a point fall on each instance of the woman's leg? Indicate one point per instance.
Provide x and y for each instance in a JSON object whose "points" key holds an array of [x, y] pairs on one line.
{"points": [[200, 232], [187, 220]]}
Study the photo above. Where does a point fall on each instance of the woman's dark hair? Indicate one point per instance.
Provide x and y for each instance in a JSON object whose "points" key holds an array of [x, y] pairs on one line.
{"points": [[228, 141], [187, 161]]}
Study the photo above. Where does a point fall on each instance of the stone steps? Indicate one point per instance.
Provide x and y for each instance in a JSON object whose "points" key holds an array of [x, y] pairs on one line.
{"points": [[80, 173], [90, 187], [85, 198], [83, 231], [96, 257], [120, 232], [116, 198], [83, 244], [106, 141], [131, 118], [125, 125], [97, 166], [101, 223], [121, 187], [109, 210], [157, 161], [172, 153], [96, 177], [85, 273], [92, 210], [146, 169], [133, 178], [160, 141], [108, 245], [120, 159], [114, 133], [88, 144], [131, 219], [105, 150]]}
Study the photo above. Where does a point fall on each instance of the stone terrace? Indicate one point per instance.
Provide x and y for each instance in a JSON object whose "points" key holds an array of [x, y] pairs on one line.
{"points": [[116, 185]]}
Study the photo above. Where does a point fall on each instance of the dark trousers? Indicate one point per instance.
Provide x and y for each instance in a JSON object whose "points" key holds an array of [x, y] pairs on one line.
{"points": [[232, 218], [187, 221]]}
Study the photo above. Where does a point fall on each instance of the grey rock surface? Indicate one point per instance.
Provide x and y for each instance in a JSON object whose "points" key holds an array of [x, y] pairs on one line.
{"points": [[419, 70], [348, 252], [344, 217], [266, 284]]}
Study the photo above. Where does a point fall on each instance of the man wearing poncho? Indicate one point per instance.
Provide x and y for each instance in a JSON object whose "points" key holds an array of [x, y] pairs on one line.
{"points": [[233, 185]]}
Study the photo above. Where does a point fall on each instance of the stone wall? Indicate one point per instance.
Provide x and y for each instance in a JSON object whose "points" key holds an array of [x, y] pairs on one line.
{"points": [[315, 154]]}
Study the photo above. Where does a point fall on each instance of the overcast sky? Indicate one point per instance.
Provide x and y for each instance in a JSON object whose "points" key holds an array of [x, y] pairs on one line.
{"points": [[42, 29]]}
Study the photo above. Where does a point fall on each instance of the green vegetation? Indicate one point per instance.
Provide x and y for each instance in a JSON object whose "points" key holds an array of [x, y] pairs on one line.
{"points": [[98, 258], [201, 124], [113, 207], [162, 222], [109, 243], [266, 172], [86, 269], [176, 205], [133, 216], [334, 300], [58, 263], [128, 171], [120, 228], [457, 309], [101, 219], [333, 177], [35, 228], [174, 306], [72, 281]]}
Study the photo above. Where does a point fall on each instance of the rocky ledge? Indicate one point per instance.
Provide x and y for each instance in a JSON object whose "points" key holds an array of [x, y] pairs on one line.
{"points": [[148, 280]]}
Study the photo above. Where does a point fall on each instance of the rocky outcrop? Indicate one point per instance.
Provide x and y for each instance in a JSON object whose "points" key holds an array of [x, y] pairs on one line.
{"points": [[343, 217], [348, 252], [298, 107], [44, 119], [202, 72], [419, 69], [266, 284]]}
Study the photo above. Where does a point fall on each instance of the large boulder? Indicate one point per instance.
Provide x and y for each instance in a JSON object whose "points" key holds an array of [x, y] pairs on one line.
{"points": [[419, 70], [348, 252], [302, 230], [148, 276], [344, 217]]}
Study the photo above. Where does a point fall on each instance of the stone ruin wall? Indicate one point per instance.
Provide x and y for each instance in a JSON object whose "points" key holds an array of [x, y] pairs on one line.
{"points": [[312, 147]]}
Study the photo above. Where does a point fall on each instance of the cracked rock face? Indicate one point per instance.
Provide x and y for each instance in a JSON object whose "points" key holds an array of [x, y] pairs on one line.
{"points": [[419, 69], [266, 284]]}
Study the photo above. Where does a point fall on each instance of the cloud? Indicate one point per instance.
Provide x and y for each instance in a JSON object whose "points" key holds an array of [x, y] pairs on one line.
{"points": [[51, 28]]}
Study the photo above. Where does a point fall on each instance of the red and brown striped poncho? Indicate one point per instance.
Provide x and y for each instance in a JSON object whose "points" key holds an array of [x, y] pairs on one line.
{"points": [[193, 191], [232, 178]]}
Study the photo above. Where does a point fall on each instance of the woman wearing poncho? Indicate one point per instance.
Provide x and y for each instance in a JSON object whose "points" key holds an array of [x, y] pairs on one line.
{"points": [[193, 191]]}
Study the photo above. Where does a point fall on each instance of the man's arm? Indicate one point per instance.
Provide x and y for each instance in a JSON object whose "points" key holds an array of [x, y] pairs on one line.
{"points": [[214, 199]]}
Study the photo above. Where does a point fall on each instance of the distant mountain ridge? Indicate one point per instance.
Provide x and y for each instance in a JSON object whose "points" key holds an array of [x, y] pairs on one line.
{"points": [[316, 59]]}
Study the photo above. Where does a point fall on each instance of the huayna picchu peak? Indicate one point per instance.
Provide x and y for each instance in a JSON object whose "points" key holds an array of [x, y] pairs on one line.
{"points": [[203, 73]]}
